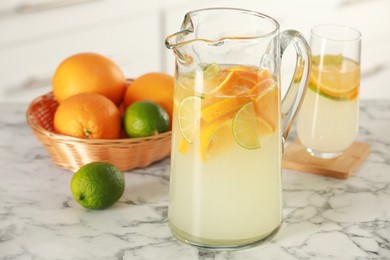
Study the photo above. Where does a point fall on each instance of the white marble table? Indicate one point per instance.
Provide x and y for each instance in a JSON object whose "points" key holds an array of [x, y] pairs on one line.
{"points": [[324, 218]]}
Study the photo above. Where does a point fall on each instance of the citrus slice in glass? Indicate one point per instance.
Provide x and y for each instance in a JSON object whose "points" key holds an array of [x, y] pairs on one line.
{"points": [[214, 136], [266, 105], [210, 74], [336, 79], [239, 80], [220, 139], [211, 71], [262, 87], [248, 128], [183, 146], [189, 116], [213, 76], [221, 107]]}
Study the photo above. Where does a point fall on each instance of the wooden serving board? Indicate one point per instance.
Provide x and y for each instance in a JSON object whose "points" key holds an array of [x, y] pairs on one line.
{"points": [[296, 157]]}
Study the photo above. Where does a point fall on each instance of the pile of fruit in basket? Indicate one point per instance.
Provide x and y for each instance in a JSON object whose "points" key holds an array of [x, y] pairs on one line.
{"points": [[97, 101]]}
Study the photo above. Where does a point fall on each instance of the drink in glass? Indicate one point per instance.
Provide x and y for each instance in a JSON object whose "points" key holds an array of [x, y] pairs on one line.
{"points": [[328, 120]]}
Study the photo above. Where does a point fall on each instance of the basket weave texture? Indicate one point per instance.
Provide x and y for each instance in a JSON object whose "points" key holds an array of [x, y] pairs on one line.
{"points": [[71, 153]]}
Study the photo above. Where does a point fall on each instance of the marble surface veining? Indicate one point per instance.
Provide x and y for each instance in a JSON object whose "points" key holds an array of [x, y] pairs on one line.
{"points": [[324, 218]]}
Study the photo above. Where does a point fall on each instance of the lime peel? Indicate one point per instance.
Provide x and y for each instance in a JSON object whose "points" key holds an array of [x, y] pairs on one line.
{"points": [[188, 112], [244, 127]]}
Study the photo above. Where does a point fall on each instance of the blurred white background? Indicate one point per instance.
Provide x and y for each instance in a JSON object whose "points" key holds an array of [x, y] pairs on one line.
{"points": [[36, 35]]}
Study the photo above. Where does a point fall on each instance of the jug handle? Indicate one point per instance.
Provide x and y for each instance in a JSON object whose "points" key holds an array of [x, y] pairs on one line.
{"points": [[295, 93]]}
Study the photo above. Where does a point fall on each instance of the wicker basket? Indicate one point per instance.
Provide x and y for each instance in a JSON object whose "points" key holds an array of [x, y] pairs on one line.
{"points": [[71, 153]]}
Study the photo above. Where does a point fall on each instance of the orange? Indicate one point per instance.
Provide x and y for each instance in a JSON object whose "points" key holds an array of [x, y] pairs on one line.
{"points": [[266, 106], [236, 83], [242, 109], [241, 81], [89, 72], [208, 133], [88, 115], [155, 86], [222, 107], [337, 77], [183, 145]]}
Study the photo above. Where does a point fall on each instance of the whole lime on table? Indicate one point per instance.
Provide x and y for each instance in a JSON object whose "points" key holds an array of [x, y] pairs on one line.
{"points": [[97, 185], [145, 118]]}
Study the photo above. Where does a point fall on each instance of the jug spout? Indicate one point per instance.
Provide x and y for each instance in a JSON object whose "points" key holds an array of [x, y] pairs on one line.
{"points": [[178, 39], [172, 41], [206, 36], [175, 42]]}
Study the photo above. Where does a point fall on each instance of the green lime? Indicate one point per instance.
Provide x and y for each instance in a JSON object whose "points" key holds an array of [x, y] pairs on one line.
{"points": [[211, 71], [145, 118], [188, 116], [97, 185], [248, 128]]}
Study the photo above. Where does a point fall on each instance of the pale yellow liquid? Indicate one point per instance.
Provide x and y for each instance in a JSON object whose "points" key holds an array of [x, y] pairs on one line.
{"points": [[326, 125], [232, 199], [328, 120]]}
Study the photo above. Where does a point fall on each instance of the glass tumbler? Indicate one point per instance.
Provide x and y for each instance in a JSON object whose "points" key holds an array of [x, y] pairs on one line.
{"points": [[328, 120]]}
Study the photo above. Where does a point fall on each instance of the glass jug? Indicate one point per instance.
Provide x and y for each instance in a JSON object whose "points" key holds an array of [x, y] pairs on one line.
{"points": [[229, 126]]}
